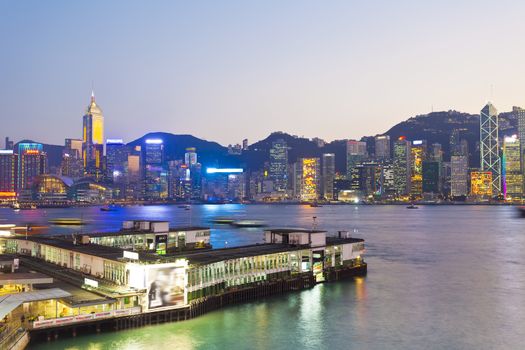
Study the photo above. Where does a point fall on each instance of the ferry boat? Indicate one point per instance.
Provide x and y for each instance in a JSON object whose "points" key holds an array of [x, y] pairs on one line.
{"points": [[248, 223], [67, 221], [412, 206], [223, 220]]}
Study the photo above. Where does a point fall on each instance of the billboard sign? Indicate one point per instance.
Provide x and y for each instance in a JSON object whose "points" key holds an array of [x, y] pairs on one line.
{"points": [[165, 286]]}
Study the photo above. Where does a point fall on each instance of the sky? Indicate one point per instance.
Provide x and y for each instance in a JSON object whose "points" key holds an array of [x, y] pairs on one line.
{"points": [[229, 70]]}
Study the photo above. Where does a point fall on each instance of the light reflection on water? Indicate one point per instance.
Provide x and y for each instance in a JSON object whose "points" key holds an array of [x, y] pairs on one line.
{"points": [[440, 277]]}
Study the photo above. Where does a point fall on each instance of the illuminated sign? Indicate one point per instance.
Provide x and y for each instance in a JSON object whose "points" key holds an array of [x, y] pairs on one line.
{"points": [[31, 151], [91, 283], [154, 141], [6, 151], [131, 255], [7, 194], [114, 141], [511, 139], [417, 142], [223, 170]]}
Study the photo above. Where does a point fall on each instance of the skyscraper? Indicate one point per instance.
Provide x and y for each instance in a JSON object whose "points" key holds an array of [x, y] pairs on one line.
{"points": [[190, 157], [9, 145], [489, 147], [520, 115], [154, 172], [459, 175], [116, 160], [279, 165], [402, 166], [481, 183], [309, 175], [328, 175], [512, 176], [431, 176], [32, 162], [418, 153], [382, 147], [93, 139], [355, 154], [8, 174]]}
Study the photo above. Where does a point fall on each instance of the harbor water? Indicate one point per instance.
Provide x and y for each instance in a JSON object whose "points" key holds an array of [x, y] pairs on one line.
{"points": [[439, 277]]}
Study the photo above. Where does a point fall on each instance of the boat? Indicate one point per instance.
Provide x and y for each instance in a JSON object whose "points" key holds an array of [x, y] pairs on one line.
{"points": [[108, 208], [315, 205], [222, 220], [15, 206], [67, 222], [412, 206], [248, 223]]}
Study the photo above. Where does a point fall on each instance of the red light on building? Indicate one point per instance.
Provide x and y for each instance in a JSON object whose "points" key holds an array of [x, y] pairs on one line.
{"points": [[401, 138]]}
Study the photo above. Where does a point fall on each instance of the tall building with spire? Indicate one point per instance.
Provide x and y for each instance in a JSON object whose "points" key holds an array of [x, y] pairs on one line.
{"points": [[489, 146], [93, 139]]}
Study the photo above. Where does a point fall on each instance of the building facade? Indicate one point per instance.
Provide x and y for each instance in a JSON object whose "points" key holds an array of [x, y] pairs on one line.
{"points": [[512, 176], [459, 175], [489, 145], [328, 176], [279, 165], [93, 140]]}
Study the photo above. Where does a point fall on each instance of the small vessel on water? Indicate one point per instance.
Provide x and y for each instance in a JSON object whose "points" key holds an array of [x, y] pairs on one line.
{"points": [[67, 221], [315, 205], [248, 223], [412, 206], [223, 220], [108, 208]]}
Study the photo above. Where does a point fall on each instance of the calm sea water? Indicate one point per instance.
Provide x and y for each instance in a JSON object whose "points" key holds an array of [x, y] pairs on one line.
{"points": [[440, 277]]}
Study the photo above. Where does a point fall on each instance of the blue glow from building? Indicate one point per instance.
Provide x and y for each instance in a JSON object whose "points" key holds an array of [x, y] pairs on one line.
{"points": [[224, 170]]}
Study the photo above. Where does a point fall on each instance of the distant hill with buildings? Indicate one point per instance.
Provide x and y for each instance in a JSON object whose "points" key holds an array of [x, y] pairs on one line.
{"points": [[435, 127], [209, 153]]}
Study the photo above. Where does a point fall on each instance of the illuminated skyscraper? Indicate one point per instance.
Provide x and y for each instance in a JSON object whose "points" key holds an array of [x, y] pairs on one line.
{"points": [[512, 175], [309, 177], [355, 154], [481, 183], [8, 174], [402, 166], [520, 115], [93, 139], [279, 165], [459, 175], [190, 157], [489, 147], [328, 175], [417, 156], [154, 172], [382, 144], [32, 162], [116, 160]]}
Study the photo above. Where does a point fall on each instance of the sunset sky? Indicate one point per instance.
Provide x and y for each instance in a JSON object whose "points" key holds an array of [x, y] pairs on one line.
{"points": [[228, 70]]}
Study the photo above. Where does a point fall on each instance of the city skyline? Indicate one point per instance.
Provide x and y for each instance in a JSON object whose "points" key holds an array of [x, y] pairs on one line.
{"points": [[180, 69]]}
